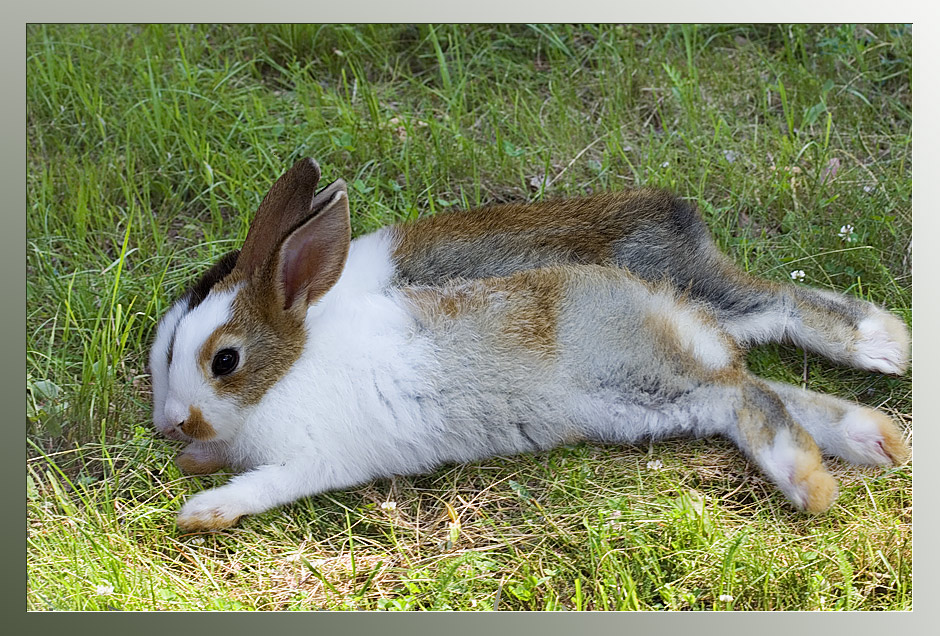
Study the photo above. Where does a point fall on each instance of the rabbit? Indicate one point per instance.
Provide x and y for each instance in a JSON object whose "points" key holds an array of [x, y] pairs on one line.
{"points": [[312, 362]]}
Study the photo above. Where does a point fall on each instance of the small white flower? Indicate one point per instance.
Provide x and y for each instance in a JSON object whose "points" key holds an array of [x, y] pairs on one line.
{"points": [[730, 155], [656, 464], [388, 505], [198, 540], [105, 589], [867, 188], [726, 598], [798, 274], [845, 232], [664, 164]]}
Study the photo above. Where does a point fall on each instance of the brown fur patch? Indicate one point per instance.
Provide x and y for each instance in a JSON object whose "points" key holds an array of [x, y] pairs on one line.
{"points": [[753, 425], [196, 425], [271, 342], [519, 310], [482, 242], [894, 444], [448, 303], [663, 329], [229, 334], [532, 317], [196, 460], [819, 486]]}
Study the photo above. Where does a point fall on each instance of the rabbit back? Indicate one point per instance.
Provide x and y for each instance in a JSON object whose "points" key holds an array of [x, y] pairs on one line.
{"points": [[658, 237]]}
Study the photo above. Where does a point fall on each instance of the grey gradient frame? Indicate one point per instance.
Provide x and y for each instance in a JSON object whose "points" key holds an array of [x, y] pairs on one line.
{"points": [[925, 336]]}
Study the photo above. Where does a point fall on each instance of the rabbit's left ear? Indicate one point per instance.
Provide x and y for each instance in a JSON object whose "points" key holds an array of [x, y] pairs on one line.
{"points": [[313, 255], [287, 204]]}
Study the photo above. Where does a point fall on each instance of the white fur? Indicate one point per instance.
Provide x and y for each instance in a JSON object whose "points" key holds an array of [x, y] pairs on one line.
{"points": [[707, 343], [767, 326], [159, 369], [369, 266], [883, 344], [187, 385], [863, 438], [340, 415], [781, 461], [704, 341]]}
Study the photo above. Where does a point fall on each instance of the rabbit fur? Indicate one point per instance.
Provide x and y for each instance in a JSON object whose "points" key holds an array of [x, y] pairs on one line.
{"points": [[508, 329]]}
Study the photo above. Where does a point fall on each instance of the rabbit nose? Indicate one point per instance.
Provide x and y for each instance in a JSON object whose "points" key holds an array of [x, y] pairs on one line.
{"points": [[175, 413]]}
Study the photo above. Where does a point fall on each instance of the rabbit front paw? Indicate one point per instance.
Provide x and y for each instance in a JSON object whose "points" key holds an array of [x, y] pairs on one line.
{"points": [[209, 510]]}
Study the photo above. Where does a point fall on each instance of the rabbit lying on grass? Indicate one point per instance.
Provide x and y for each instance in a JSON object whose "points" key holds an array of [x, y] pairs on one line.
{"points": [[313, 363]]}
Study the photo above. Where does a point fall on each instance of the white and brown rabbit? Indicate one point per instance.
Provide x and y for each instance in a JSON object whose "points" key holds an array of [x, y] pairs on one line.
{"points": [[311, 362]]}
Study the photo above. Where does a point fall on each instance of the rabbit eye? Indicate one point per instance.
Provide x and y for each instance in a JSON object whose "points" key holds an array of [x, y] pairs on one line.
{"points": [[224, 362]]}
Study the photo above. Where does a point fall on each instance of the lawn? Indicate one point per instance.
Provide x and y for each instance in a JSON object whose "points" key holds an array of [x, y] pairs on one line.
{"points": [[150, 147]]}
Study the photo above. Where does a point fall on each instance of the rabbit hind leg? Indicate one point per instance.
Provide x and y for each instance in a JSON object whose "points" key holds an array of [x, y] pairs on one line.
{"points": [[750, 414], [756, 311], [855, 433], [846, 330], [783, 449], [677, 246]]}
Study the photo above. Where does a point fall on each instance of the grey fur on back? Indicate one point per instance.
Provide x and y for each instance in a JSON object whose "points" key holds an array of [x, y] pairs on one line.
{"points": [[658, 237]]}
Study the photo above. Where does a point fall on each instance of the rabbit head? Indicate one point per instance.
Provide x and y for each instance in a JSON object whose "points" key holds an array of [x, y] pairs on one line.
{"points": [[242, 325]]}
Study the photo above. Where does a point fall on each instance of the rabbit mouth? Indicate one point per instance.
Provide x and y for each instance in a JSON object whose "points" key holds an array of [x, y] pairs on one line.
{"points": [[174, 433]]}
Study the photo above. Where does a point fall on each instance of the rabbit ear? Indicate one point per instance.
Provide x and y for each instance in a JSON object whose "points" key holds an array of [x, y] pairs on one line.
{"points": [[325, 196], [312, 256], [286, 205]]}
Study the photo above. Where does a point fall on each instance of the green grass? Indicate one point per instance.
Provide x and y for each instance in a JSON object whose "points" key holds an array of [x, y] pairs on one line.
{"points": [[150, 147]]}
